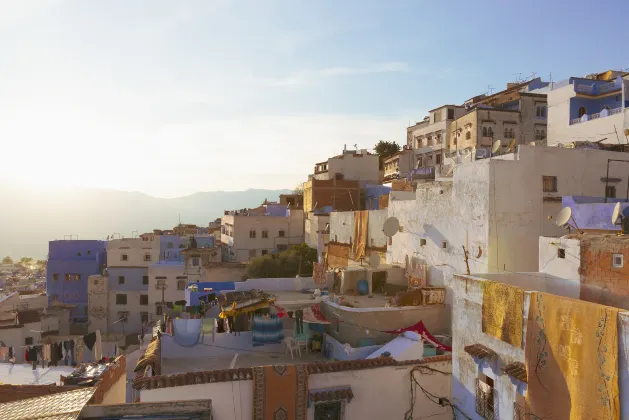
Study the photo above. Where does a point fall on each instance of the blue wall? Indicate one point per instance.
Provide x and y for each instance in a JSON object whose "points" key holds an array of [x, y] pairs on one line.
{"points": [[593, 212], [80, 257], [169, 247], [192, 298], [593, 106], [132, 279]]}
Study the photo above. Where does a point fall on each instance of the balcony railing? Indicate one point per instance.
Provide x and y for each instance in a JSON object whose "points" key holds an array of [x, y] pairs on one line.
{"points": [[596, 116], [597, 89]]}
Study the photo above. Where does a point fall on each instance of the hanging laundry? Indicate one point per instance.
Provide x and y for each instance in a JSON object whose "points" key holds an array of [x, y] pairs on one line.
{"points": [[299, 321], [90, 340], [267, 331], [187, 331]]}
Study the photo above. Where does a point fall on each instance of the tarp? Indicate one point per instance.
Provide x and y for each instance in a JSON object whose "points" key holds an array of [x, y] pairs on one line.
{"points": [[187, 331], [420, 329]]}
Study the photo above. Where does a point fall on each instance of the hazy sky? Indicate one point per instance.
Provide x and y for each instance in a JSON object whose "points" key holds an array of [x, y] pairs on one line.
{"points": [[174, 97]]}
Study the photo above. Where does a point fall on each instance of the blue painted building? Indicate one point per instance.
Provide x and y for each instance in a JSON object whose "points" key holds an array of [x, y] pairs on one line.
{"points": [[592, 213], [169, 247], [197, 290], [69, 265]]}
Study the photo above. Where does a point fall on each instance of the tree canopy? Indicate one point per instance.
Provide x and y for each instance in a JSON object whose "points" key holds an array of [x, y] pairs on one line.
{"points": [[284, 264], [7, 260], [385, 149]]}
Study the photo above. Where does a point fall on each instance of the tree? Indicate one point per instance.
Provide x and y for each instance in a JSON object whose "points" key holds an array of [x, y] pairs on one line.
{"points": [[299, 259], [7, 260], [26, 261], [385, 149], [299, 189]]}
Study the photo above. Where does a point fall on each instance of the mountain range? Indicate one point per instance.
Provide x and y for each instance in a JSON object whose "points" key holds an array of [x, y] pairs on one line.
{"points": [[29, 218]]}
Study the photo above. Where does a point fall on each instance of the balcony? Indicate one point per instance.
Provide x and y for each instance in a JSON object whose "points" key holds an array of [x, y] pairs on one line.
{"points": [[596, 116]]}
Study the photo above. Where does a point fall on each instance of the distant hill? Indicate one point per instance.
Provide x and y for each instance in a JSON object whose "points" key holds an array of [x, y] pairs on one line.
{"points": [[31, 218]]}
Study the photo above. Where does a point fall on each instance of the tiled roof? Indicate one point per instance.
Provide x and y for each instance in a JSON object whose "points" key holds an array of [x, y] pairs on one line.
{"points": [[62, 406], [516, 370], [9, 393], [479, 351], [331, 394], [244, 374]]}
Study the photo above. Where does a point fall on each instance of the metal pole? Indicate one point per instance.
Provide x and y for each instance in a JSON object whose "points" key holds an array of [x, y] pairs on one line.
{"points": [[607, 179]]}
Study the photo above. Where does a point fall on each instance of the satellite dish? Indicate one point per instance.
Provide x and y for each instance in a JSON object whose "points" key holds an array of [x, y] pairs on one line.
{"points": [[532, 143], [374, 259], [495, 146], [391, 226], [616, 214], [512, 145], [450, 162], [563, 217]]}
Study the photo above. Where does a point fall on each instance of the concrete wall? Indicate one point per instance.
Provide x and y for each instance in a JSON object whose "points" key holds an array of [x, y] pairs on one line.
{"points": [[342, 227], [550, 262], [354, 167], [381, 393], [366, 323]]}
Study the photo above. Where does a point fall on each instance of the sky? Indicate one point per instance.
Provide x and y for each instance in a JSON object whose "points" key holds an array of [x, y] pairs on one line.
{"points": [[174, 97]]}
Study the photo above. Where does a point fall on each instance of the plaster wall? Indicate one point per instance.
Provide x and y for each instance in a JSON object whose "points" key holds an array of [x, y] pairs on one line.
{"points": [[366, 323], [133, 307], [378, 394], [117, 394], [97, 305], [313, 224], [171, 275], [222, 274], [342, 227], [139, 252], [361, 167], [550, 262]]}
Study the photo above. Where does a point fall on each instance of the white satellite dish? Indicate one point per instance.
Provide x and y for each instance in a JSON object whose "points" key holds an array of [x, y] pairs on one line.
{"points": [[391, 226], [616, 214], [563, 217], [512, 145], [532, 143], [495, 147], [374, 259]]}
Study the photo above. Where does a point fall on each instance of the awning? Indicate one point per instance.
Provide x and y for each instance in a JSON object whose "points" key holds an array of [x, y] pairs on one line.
{"points": [[330, 394], [479, 351], [516, 370]]}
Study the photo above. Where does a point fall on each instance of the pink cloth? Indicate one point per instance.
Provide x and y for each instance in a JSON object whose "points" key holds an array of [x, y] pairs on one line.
{"points": [[420, 329]]}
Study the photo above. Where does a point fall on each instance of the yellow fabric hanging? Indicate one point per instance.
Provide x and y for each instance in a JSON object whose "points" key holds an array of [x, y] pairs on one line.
{"points": [[361, 221]]}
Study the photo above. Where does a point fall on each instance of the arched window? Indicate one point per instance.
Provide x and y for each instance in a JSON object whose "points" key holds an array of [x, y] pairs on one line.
{"points": [[582, 111], [484, 131]]}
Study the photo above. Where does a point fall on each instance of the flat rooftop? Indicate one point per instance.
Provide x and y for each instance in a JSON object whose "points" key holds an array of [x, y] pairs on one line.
{"points": [[23, 374], [242, 360]]}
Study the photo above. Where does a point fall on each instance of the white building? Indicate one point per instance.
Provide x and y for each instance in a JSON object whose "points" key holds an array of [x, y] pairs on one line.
{"points": [[496, 208], [252, 233], [590, 109], [167, 283], [351, 165]]}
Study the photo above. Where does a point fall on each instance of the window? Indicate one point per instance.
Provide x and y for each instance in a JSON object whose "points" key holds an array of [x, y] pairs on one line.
{"points": [[145, 280], [444, 244], [170, 245], [120, 279], [159, 309], [281, 233], [422, 242], [252, 253], [89, 252], [264, 252], [95, 282], [561, 253], [181, 285], [550, 184], [618, 261], [610, 191], [28, 341], [195, 262], [468, 135], [438, 158], [55, 297], [252, 233], [121, 299], [543, 134], [144, 299], [582, 111], [123, 316], [265, 233], [144, 317], [55, 277], [67, 277], [77, 277], [485, 397], [331, 410], [78, 254], [147, 257], [124, 257], [541, 111], [450, 113]]}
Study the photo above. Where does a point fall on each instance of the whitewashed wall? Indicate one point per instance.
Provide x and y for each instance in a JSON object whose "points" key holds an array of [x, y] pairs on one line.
{"points": [[381, 393], [342, 227], [549, 261]]}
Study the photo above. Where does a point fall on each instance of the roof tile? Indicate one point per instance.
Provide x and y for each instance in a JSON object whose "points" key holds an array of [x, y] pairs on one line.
{"points": [[516, 370]]}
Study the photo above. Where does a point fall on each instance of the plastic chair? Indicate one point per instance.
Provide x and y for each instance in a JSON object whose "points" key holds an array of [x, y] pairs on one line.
{"points": [[291, 345]]}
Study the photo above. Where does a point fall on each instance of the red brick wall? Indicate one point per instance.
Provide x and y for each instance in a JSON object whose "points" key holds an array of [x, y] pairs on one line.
{"points": [[601, 282], [341, 195]]}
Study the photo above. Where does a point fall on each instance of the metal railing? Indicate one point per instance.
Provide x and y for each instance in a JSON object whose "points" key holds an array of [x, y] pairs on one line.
{"points": [[484, 402], [596, 116]]}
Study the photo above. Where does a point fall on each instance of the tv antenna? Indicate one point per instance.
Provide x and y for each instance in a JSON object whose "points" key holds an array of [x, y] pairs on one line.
{"points": [[563, 219], [619, 219], [391, 226]]}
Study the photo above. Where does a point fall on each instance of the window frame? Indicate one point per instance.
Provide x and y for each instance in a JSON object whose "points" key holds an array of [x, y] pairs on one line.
{"points": [[321, 416], [124, 257], [181, 285], [145, 280], [281, 233], [621, 262], [121, 280], [146, 300], [119, 298], [550, 179]]}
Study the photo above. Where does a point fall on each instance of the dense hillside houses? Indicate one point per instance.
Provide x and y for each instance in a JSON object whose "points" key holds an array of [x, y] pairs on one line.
{"points": [[476, 272]]}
